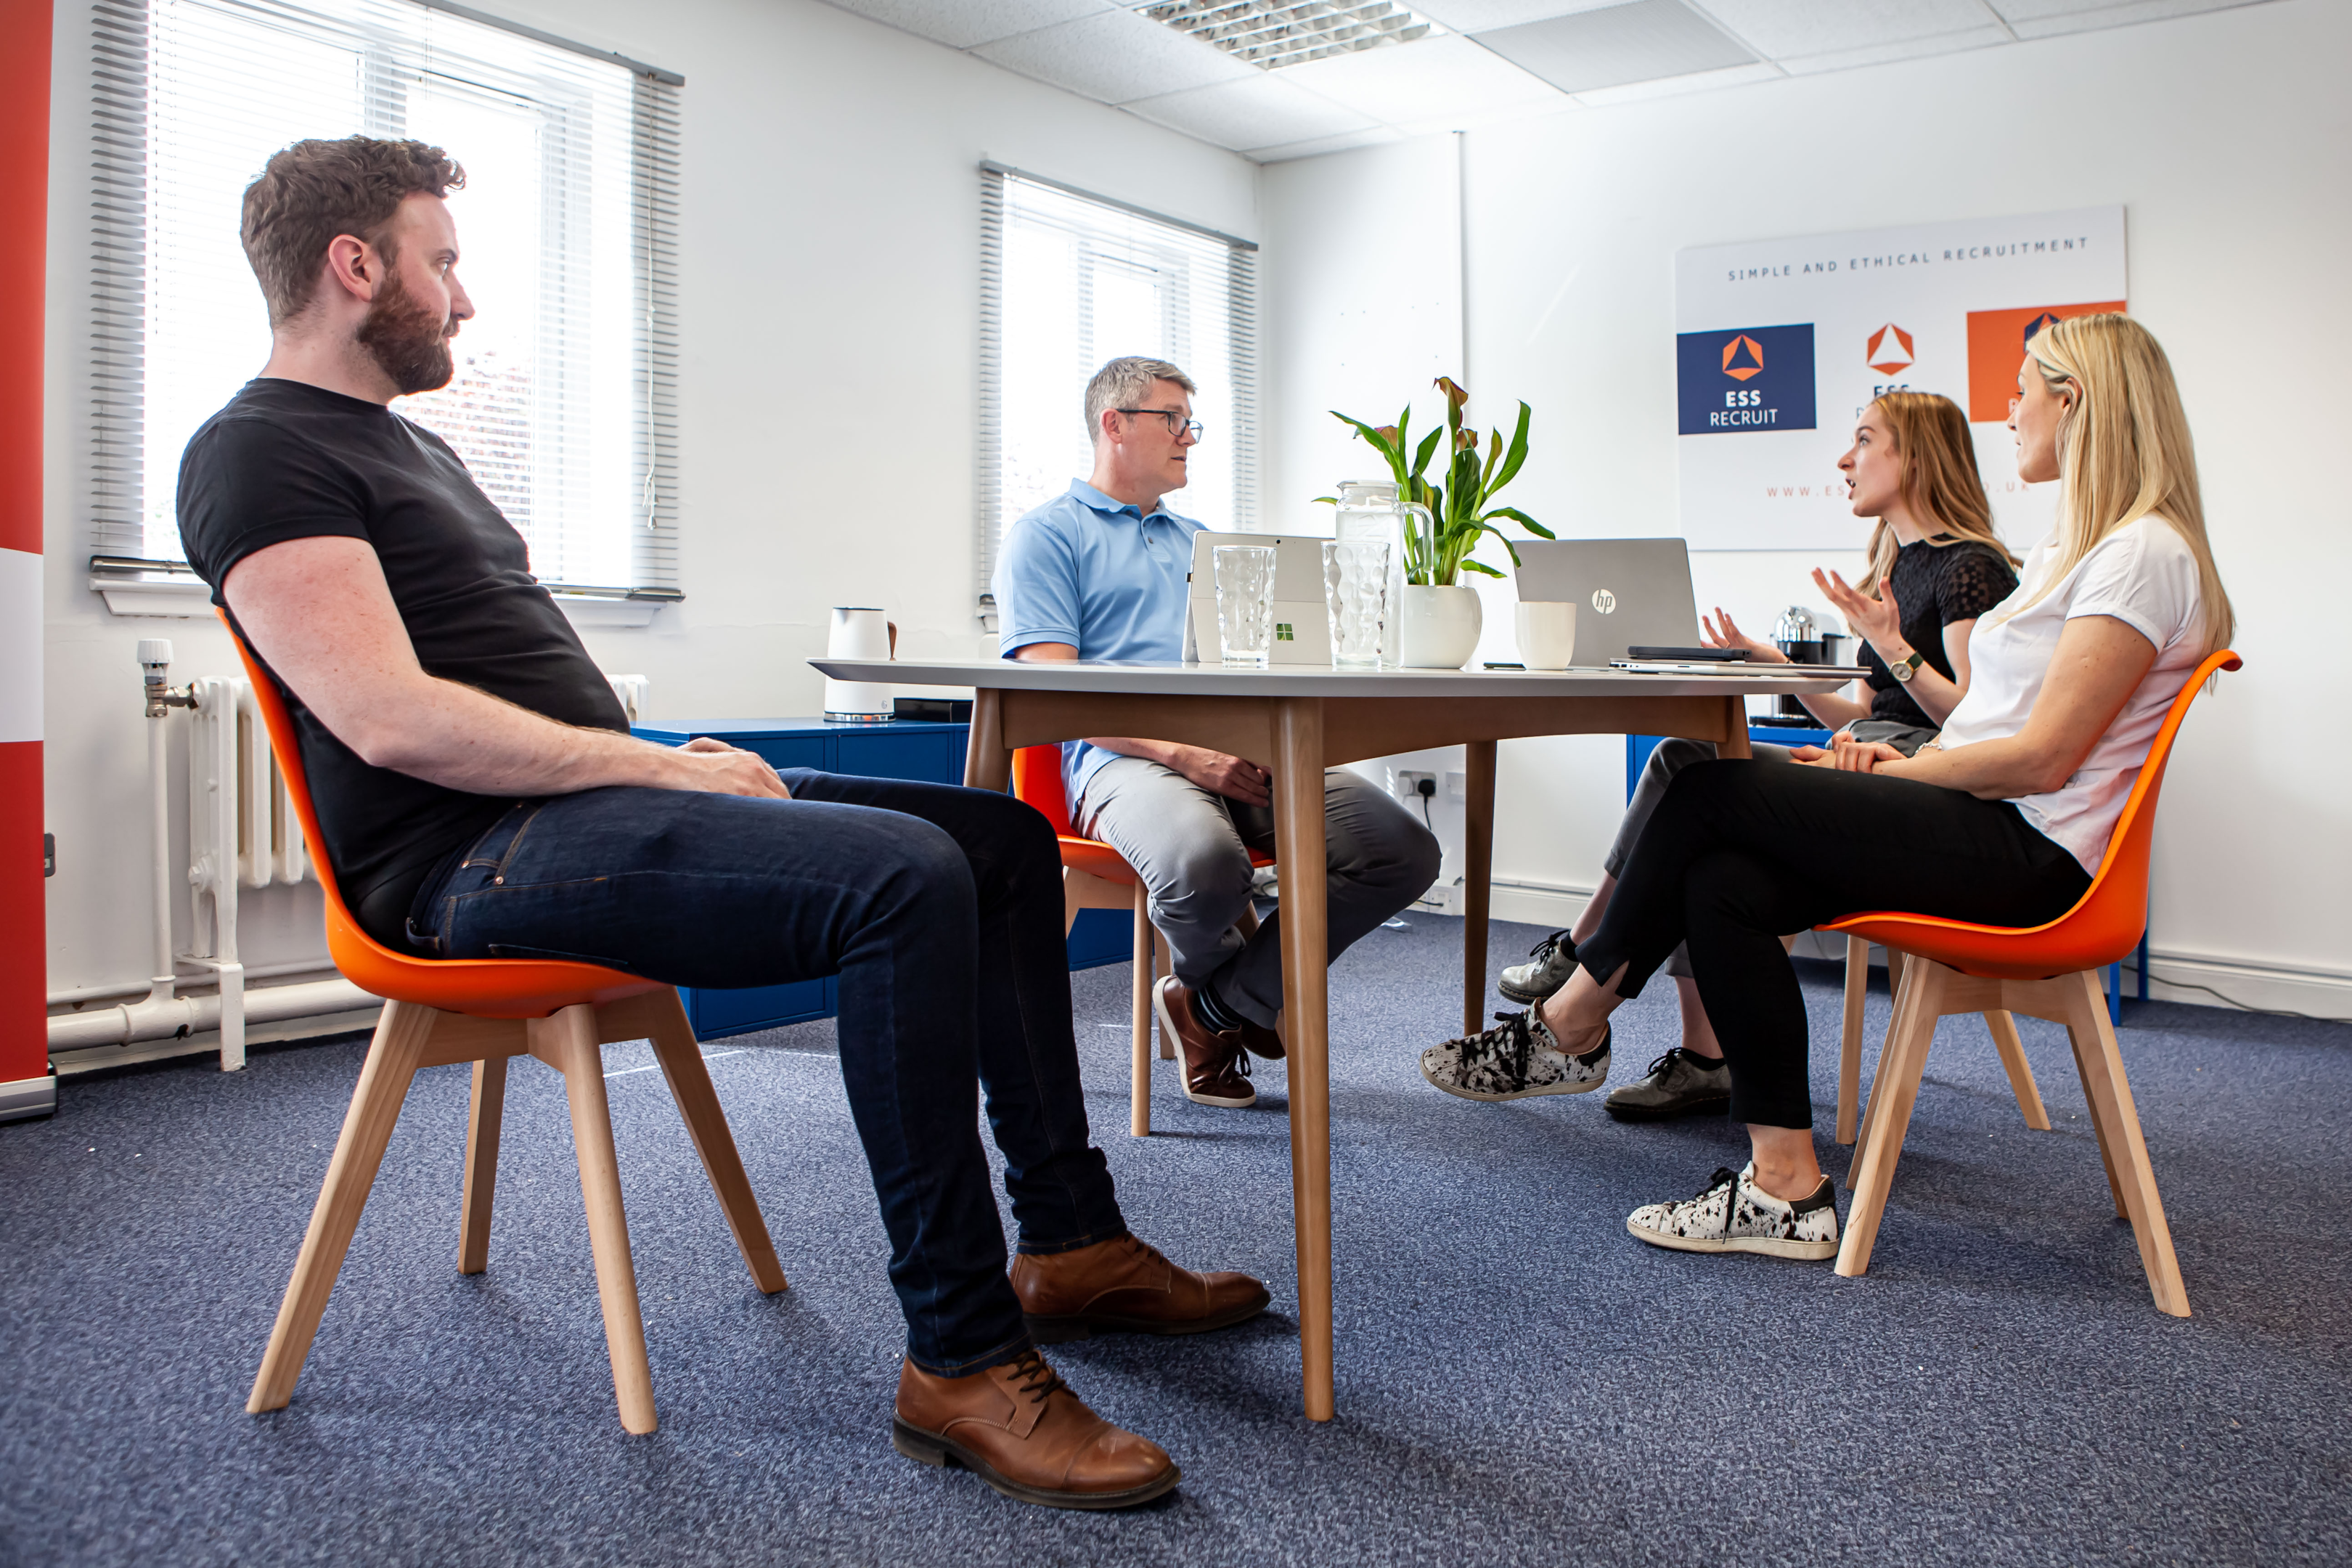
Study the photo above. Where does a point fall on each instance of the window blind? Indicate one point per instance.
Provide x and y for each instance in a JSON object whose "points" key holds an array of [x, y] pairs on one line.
{"points": [[1069, 281], [563, 403]]}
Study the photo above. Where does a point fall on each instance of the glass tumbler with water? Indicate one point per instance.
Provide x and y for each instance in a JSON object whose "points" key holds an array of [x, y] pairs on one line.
{"points": [[1244, 602], [1355, 599]]}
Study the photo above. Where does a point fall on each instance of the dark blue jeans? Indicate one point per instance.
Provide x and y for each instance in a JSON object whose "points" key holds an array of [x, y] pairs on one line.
{"points": [[940, 910]]}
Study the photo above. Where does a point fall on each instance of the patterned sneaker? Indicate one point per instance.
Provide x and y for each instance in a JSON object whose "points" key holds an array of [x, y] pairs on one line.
{"points": [[1734, 1214], [1549, 964], [1677, 1084], [1515, 1058]]}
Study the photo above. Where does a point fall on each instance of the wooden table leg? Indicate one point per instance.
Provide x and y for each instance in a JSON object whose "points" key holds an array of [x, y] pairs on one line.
{"points": [[986, 764], [1733, 744], [1305, 976], [1478, 875]]}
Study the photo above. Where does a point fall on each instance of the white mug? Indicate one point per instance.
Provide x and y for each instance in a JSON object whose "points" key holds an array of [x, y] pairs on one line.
{"points": [[1547, 633]]}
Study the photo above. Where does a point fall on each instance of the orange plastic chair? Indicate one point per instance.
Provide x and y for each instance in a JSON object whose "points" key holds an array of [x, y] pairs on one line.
{"points": [[1096, 877], [483, 1011], [2049, 970]]}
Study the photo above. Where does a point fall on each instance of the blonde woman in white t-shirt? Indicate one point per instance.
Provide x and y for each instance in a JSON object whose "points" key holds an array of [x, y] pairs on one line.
{"points": [[2001, 822]]}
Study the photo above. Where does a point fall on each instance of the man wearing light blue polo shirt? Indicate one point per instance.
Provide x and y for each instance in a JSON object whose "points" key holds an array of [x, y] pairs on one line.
{"points": [[1100, 571]]}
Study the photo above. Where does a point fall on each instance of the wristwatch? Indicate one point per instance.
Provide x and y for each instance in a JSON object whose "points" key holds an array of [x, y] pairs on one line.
{"points": [[1903, 670]]}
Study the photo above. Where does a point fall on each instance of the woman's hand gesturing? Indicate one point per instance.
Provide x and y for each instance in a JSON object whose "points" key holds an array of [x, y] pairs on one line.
{"points": [[1721, 631], [1879, 621]]}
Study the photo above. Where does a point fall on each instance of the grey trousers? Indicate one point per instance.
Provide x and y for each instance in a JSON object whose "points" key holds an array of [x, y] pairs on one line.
{"points": [[1672, 756], [1191, 849]]}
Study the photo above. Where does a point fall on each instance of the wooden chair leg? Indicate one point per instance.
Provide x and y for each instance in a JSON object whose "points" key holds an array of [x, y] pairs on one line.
{"points": [[1857, 984], [1895, 971], [2098, 1128], [680, 1056], [2109, 1093], [2020, 1071], [567, 1042], [1897, 1087], [1160, 949], [1871, 1104], [391, 1061], [482, 1164], [1138, 1115]]}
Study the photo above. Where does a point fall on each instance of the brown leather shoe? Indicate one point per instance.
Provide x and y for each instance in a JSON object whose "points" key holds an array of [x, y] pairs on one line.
{"points": [[1019, 1429], [1216, 1066], [1128, 1286]]}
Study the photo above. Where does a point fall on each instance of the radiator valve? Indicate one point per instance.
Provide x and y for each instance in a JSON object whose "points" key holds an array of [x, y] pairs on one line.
{"points": [[156, 658]]}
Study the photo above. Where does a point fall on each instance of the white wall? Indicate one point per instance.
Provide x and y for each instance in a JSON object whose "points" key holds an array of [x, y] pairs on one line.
{"points": [[2229, 140], [830, 252]]}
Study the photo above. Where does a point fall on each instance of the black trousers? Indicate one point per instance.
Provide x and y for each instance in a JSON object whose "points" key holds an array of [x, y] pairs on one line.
{"points": [[1737, 854]]}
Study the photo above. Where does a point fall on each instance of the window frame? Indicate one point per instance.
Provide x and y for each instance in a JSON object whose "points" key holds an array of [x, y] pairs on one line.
{"points": [[1242, 327], [122, 43]]}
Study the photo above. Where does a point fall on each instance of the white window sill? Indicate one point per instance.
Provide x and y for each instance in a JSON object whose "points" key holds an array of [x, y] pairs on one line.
{"points": [[154, 596], [185, 599]]}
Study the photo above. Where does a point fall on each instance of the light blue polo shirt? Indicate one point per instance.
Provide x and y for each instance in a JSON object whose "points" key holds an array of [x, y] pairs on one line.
{"points": [[1100, 576]]}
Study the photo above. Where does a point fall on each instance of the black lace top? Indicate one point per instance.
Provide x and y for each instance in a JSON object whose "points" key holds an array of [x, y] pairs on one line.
{"points": [[1933, 586]]}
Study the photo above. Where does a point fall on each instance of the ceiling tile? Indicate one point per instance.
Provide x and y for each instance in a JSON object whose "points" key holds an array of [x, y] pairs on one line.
{"points": [[2044, 18], [1779, 29], [1269, 110], [1482, 16], [1426, 80], [1675, 86], [1639, 42], [1987, 37], [1322, 145], [1118, 56], [963, 23]]}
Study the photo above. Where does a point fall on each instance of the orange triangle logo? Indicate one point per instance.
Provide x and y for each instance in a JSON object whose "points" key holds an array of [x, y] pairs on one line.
{"points": [[1743, 356]]}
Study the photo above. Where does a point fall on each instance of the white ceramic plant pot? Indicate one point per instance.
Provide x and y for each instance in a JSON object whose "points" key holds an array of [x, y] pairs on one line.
{"points": [[1437, 628]]}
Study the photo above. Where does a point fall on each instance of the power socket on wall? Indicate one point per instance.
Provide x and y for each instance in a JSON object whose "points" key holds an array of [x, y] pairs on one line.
{"points": [[1412, 788]]}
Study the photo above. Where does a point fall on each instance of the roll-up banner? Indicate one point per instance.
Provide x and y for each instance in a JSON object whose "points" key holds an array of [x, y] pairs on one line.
{"points": [[1779, 344], [26, 1087]]}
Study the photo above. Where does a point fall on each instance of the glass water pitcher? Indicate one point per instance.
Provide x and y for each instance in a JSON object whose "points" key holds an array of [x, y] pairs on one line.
{"points": [[1369, 513]]}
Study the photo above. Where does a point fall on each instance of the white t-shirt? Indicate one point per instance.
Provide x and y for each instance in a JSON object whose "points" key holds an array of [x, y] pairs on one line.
{"points": [[2142, 574]]}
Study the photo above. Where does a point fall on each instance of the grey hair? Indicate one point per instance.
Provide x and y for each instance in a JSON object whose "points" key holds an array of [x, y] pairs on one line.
{"points": [[1121, 382]]}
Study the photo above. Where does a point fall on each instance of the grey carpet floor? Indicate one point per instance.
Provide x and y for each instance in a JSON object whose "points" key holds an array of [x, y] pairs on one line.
{"points": [[1519, 1381]]}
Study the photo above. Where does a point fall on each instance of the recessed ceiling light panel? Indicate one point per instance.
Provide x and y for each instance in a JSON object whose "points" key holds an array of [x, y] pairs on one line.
{"points": [[1270, 34]]}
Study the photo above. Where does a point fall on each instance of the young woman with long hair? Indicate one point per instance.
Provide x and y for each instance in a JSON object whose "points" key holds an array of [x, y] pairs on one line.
{"points": [[1936, 565], [2002, 821]]}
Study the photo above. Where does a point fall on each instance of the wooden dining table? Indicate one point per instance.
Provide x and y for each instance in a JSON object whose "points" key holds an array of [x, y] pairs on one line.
{"points": [[1296, 721]]}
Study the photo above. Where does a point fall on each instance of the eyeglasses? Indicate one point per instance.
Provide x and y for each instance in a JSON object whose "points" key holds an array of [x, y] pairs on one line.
{"points": [[1177, 426]]}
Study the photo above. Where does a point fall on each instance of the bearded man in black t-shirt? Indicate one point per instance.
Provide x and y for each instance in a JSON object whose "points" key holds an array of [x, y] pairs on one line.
{"points": [[481, 796]]}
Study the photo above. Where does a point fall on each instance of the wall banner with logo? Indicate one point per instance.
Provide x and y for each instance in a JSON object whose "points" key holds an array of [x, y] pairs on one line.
{"points": [[1780, 344]]}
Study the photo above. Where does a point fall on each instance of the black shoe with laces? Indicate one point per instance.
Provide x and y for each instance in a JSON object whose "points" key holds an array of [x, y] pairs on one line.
{"points": [[1515, 1058], [1680, 1083]]}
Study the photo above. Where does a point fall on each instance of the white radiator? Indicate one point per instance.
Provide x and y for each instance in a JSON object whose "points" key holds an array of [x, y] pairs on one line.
{"points": [[242, 829]]}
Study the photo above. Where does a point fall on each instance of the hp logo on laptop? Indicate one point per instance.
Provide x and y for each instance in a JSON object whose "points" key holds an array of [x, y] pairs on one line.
{"points": [[1604, 601]]}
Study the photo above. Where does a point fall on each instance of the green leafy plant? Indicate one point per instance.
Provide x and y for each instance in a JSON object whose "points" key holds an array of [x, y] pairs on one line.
{"points": [[1457, 499]]}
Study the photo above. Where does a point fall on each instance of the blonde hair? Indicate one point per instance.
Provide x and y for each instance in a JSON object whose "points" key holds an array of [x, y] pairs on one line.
{"points": [[1940, 484], [2124, 452]]}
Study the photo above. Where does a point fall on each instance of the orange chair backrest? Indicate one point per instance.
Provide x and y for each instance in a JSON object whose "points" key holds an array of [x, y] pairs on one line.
{"points": [[1037, 779], [2104, 925], [488, 987]]}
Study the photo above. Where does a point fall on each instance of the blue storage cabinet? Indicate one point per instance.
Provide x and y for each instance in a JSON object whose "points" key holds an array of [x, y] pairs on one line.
{"points": [[906, 749], [1639, 747]]}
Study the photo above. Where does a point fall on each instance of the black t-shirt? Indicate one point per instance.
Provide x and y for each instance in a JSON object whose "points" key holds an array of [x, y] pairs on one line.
{"points": [[288, 460], [1935, 585]]}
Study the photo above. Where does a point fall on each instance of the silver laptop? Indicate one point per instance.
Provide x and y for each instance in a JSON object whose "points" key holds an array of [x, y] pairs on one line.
{"points": [[1628, 592], [1301, 634]]}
